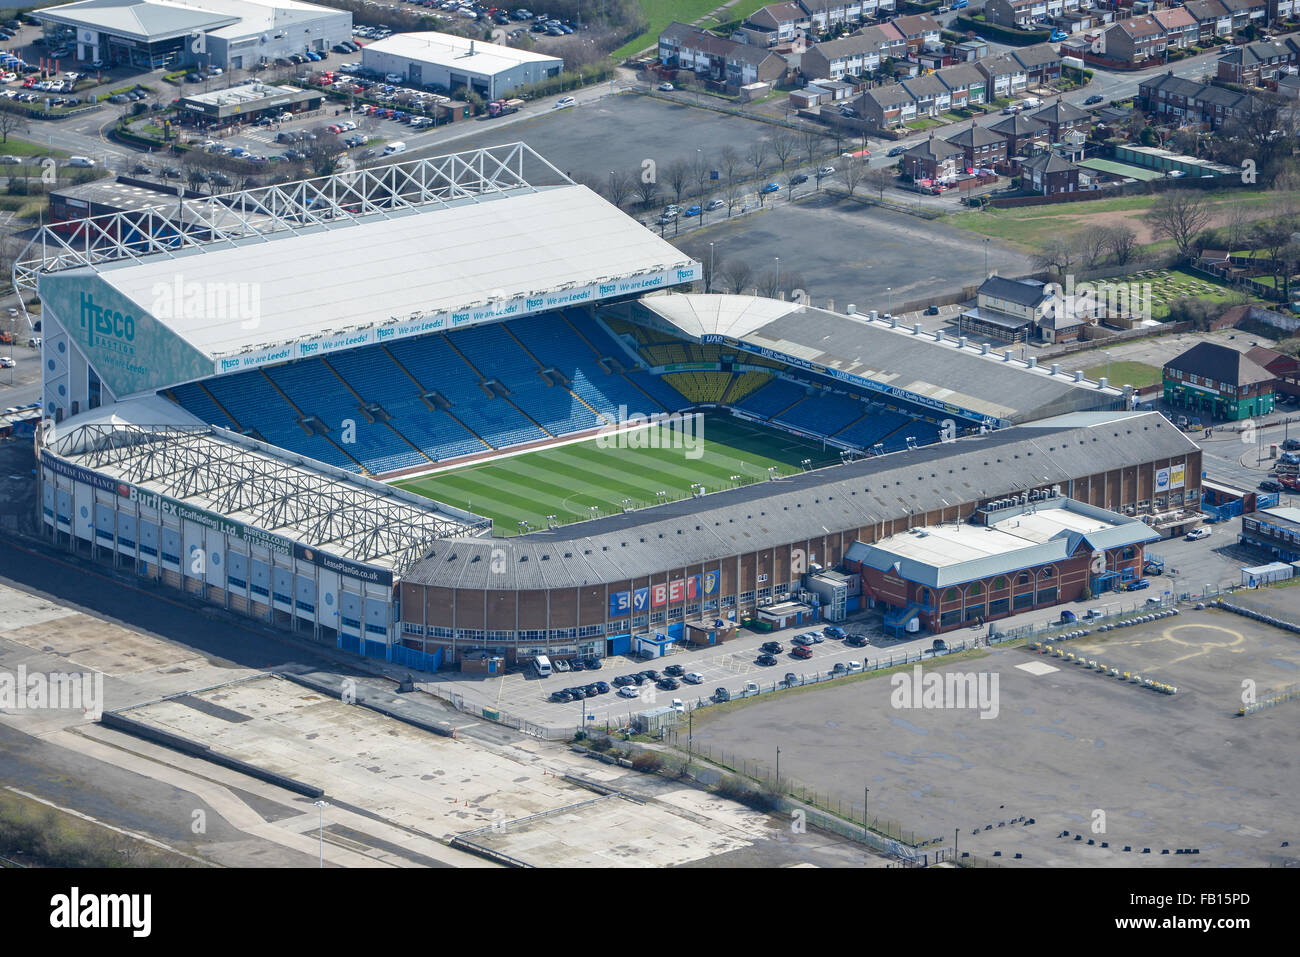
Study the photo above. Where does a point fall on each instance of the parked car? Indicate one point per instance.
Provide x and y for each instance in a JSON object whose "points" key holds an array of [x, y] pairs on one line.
{"points": [[721, 694], [765, 660], [560, 665], [791, 679], [1197, 534], [665, 87], [798, 180], [1291, 445], [801, 652], [601, 687], [667, 684], [801, 640], [7, 362], [562, 697], [564, 102], [629, 691], [833, 631], [938, 645], [675, 671], [1137, 585], [1095, 98], [693, 678], [856, 641], [650, 674], [1067, 616], [591, 664], [771, 647], [839, 668], [854, 666], [897, 150], [815, 637], [770, 188], [1268, 485]]}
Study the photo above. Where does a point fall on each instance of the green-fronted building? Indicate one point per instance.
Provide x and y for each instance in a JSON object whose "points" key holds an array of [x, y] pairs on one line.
{"points": [[1218, 383]]}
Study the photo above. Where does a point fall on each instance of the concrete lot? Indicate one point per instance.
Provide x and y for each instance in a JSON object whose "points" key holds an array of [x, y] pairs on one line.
{"points": [[1169, 772], [852, 253]]}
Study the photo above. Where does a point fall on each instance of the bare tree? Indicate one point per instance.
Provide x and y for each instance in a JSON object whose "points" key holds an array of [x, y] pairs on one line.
{"points": [[620, 188], [732, 196], [851, 173], [647, 189], [770, 283], [1093, 244], [880, 178], [1237, 225], [700, 170], [1057, 255], [756, 154], [12, 121], [1121, 241], [1273, 236], [1180, 215], [677, 175], [782, 147], [811, 141], [729, 164], [737, 274]]}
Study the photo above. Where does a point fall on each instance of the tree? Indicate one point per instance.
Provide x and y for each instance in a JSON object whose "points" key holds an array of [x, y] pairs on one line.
{"points": [[708, 270], [11, 121], [620, 188], [770, 284], [1093, 244], [1272, 236], [700, 170], [729, 164], [811, 141], [737, 274], [677, 175], [1237, 226], [732, 195], [756, 154], [1122, 242], [782, 147], [880, 178], [1179, 215], [647, 189], [851, 172], [1057, 255]]}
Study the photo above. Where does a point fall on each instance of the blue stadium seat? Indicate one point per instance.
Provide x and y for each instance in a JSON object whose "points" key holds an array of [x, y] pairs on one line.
{"points": [[822, 413], [193, 399], [772, 398]]}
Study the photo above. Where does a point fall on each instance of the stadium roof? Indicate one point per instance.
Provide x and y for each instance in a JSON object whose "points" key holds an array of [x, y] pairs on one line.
{"points": [[295, 499], [824, 501], [1023, 537], [941, 374]]}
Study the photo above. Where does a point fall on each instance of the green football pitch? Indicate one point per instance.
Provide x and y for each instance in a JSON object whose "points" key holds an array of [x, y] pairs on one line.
{"points": [[568, 480]]}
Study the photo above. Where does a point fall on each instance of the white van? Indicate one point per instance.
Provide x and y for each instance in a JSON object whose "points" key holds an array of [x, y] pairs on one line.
{"points": [[1030, 103], [542, 665], [81, 162], [392, 148]]}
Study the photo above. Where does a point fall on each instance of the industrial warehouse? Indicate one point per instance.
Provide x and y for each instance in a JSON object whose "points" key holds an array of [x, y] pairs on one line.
{"points": [[240, 446]]}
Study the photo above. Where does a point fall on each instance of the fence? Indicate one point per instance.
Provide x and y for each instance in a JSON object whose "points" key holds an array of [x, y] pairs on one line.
{"points": [[1164, 329]]}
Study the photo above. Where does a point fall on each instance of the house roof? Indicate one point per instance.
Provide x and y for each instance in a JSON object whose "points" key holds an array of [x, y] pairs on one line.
{"points": [[781, 12], [864, 41], [1048, 162], [683, 34], [1272, 360], [888, 97], [963, 74], [1023, 292], [1059, 112], [933, 149], [1175, 18], [973, 136], [1204, 10], [917, 25], [920, 86], [1001, 65], [1019, 124], [1179, 86], [1139, 28], [1262, 51], [1220, 363], [1040, 54]]}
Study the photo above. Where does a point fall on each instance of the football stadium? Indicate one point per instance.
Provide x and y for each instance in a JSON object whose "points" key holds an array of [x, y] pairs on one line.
{"points": [[463, 406]]}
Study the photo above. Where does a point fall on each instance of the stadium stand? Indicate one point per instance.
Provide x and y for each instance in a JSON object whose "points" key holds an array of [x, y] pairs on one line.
{"points": [[743, 384], [195, 400], [875, 427], [822, 413], [773, 398], [700, 387]]}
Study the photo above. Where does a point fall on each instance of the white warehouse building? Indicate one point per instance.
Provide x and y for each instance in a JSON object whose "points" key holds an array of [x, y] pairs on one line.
{"points": [[231, 34], [444, 60]]}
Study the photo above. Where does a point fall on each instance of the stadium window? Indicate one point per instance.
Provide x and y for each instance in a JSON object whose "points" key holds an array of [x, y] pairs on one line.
{"points": [[657, 618], [951, 595], [237, 582], [376, 629], [282, 598], [350, 623], [999, 583], [259, 590], [746, 597], [974, 588], [310, 608]]}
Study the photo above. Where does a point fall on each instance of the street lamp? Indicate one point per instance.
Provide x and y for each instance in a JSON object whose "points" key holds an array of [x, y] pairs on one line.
{"points": [[778, 766], [986, 257], [708, 286], [321, 806]]}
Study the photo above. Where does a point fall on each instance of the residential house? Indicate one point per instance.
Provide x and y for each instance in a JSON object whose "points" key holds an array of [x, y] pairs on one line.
{"points": [[1217, 107], [725, 61], [1212, 18], [934, 159], [825, 14], [1021, 132], [970, 50], [857, 54], [1061, 119], [918, 30], [930, 94], [1135, 40], [1189, 103], [1041, 63], [1262, 60], [965, 84], [1026, 14], [886, 107], [1246, 12], [776, 23], [1008, 310], [980, 147], [1048, 172], [1181, 29], [1285, 368], [1004, 73], [1218, 382]]}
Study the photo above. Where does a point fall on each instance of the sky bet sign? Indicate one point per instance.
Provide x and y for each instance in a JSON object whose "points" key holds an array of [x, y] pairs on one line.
{"points": [[656, 596], [129, 350]]}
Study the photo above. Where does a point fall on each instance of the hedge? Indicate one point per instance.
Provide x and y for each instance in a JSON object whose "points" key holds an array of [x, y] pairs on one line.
{"points": [[991, 31]]}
